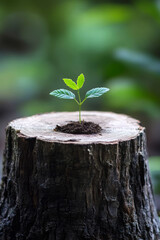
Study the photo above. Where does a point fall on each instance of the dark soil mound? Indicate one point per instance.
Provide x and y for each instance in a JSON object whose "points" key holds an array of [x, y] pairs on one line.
{"points": [[79, 128]]}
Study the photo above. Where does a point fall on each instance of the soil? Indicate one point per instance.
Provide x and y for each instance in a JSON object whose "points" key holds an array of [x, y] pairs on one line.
{"points": [[79, 128]]}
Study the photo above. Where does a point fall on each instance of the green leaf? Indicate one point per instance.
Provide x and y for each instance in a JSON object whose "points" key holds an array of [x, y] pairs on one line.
{"points": [[80, 80], [63, 93], [70, 83], [96, 92]]}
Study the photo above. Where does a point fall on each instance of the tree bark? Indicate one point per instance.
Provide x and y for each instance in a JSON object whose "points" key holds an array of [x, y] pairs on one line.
{"points": [[59, 186]]}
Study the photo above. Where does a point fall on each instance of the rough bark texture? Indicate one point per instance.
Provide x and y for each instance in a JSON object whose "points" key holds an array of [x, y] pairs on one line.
{"points": [[59, 186]]}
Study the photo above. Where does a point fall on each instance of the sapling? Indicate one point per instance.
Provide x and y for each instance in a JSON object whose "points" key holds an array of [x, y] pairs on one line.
{"points": [[63, 93]]}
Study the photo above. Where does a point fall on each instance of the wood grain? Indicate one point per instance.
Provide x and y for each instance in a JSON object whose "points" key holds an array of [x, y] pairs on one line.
{"points": [[59, 186]]}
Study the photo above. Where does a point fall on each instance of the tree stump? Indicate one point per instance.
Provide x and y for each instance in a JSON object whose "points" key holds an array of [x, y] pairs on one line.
{"points": [[59, 186]]}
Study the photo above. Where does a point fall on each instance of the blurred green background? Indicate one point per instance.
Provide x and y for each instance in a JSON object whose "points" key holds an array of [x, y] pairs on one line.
{"points": [[116, 44]]}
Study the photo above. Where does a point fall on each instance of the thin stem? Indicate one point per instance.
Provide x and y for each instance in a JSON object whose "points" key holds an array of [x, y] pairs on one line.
{"points": [[80, 113], [79, 106], [83, 101], [76, 101]]}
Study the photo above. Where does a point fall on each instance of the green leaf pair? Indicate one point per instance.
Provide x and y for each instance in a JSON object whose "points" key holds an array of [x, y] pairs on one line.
{"points": [[70, 83], [65, 94]]}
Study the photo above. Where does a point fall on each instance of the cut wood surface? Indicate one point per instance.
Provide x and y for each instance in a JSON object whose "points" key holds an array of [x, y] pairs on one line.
{"points": [[59, 186], [115, 127]]}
